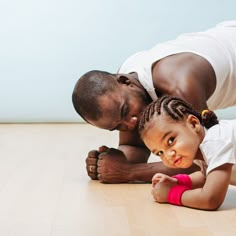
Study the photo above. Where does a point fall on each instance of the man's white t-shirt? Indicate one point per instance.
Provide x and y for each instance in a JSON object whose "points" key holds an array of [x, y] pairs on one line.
{"points": [[217, 45]]}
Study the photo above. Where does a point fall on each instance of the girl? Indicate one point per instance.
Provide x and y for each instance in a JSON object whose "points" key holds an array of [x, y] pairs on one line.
{"points": [[178, 134]]}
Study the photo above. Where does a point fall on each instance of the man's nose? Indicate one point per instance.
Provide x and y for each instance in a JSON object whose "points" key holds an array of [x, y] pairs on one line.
{"points": [[128, 124], [131, 124]]}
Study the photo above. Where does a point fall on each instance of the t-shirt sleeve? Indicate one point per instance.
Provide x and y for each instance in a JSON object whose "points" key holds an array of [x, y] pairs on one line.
{"points": [[217, 153]]}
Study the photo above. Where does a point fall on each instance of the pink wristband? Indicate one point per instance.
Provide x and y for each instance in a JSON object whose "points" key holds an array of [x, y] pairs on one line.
{"points": [[183, 180], [175, 194]]}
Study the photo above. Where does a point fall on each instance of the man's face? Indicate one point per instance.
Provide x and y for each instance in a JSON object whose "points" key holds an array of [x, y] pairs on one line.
{"points": [[121, 108]]}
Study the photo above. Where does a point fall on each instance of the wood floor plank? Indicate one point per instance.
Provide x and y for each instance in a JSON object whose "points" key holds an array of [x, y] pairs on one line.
{"points": [[44, 190]]}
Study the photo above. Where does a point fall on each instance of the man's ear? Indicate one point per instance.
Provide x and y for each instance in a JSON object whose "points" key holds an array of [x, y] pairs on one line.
{"points": [[123, 79], [194, 122]]}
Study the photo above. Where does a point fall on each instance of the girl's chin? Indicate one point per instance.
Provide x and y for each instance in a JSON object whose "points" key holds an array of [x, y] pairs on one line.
{"points": [[182, 166], [186, 166]]}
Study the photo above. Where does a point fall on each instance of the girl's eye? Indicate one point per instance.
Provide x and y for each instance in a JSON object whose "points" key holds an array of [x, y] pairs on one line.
{"points": [[171, 140], [160, 153]]}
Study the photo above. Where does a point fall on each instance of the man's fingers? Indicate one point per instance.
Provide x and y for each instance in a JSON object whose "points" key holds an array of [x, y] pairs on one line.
{"points": [[93, 154], [100, 162], [92, 169], [103, 149], [101, 156], [93, 176], [99, 176], [91, 161], [91, 164]]}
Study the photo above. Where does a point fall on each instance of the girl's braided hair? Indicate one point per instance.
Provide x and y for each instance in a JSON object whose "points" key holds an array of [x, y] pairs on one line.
{"points": [[176, 108]]}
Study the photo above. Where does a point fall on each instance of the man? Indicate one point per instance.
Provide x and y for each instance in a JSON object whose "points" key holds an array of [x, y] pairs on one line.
{"points": [[198, 67]]}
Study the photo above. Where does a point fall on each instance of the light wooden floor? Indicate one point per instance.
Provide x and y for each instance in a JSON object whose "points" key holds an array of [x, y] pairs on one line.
{"points": [[44, 190]]}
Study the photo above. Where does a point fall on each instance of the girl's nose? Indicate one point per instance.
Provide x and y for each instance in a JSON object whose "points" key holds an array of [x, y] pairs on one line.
{"points": [[170, 154]]}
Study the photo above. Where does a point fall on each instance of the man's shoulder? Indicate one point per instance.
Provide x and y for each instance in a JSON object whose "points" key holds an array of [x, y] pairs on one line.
{"points": [[174, 63], [181, 67], [167, 72]]}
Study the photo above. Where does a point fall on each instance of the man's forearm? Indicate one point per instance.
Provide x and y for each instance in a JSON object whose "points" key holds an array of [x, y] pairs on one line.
{"points": [[113, 167], [135, 154], [145, 171]]}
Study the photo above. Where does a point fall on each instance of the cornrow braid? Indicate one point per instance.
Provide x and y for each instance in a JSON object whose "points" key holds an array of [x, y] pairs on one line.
{"points": [[176, 108]]}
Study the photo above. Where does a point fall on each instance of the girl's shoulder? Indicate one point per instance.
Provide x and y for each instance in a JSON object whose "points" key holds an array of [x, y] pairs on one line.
{"points": [[219, 144], [226, 130]]}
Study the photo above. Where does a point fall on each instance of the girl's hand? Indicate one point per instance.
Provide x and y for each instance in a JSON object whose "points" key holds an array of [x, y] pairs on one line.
{"points": [[161, 185], [159, 178]]}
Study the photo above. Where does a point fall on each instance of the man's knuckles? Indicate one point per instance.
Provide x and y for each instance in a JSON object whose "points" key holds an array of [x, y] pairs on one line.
{"points": [[91, 161], [93, 154], [93, 176]]}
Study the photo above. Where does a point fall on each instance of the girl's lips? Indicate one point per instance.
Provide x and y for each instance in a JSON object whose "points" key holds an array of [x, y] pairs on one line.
{"points": [[177, 161]]}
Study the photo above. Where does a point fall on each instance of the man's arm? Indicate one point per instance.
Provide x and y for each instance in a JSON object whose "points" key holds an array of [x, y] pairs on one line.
{"points": [[129, 163], [113, 167], [133, 147], [186, 75], [145, 171]]}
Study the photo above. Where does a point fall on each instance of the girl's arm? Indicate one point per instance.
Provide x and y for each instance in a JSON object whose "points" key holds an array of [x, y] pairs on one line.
{"points": [[198, 179], [162, 184], [212, 194]]}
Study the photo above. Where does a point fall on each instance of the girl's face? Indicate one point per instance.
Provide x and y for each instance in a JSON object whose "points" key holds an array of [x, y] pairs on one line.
{"points": [[175, 142]]}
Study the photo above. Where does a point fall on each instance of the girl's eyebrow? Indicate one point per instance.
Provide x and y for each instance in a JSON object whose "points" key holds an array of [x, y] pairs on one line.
{"points": [[154, 151], [164, 136]]}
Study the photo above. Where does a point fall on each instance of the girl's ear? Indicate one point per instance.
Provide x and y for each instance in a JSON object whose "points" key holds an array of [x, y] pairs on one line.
{"points": [[194, 122]]}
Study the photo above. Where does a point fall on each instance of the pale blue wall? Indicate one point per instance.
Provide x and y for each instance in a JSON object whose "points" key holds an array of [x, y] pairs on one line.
{"points": [[46, 45]]}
